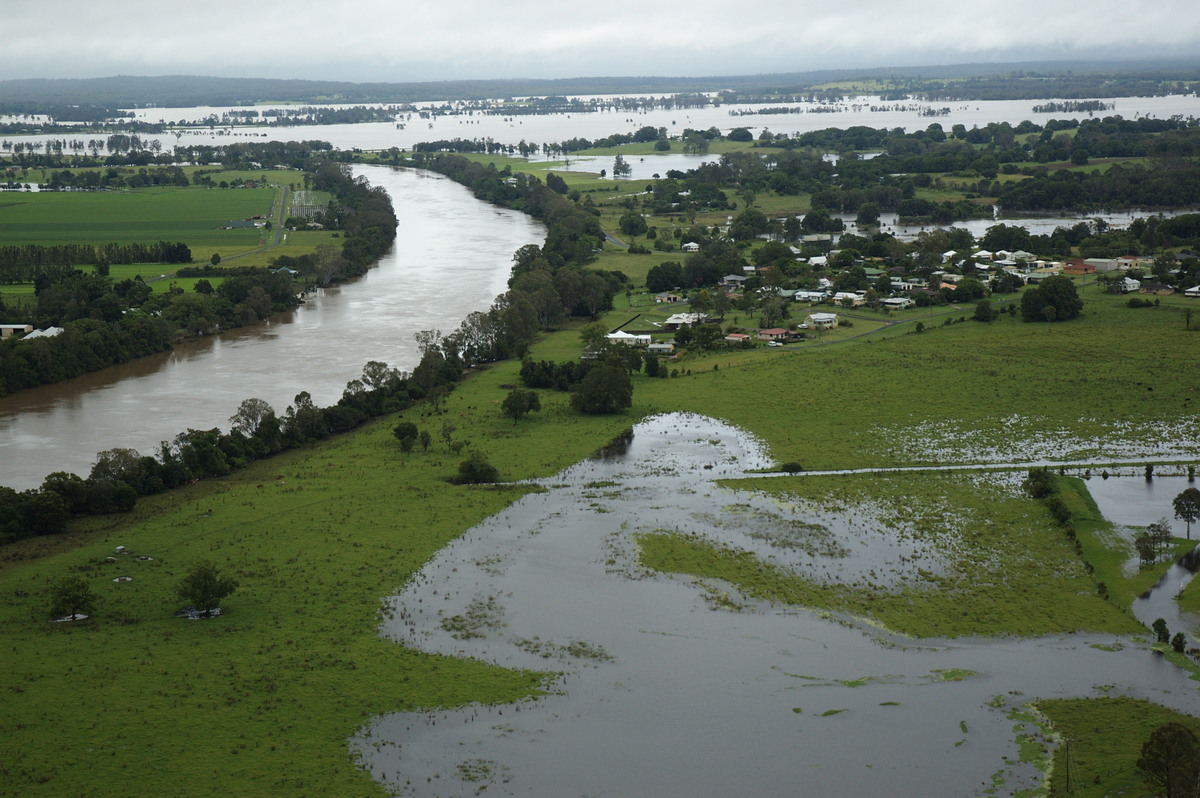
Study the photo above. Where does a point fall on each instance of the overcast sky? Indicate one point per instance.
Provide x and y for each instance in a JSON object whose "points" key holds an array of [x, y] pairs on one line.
{"points": [[386, 40]]}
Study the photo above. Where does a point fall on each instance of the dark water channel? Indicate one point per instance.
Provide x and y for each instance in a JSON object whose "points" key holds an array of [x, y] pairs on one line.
{"points": [[452, 257], [668, 688]]}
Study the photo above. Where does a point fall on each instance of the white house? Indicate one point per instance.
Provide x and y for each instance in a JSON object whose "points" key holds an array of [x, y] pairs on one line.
{"points": [[1194, 293], [691, 246], [1127, 285], [898, 303], [629, 339], [822, 321], [678, 320]]}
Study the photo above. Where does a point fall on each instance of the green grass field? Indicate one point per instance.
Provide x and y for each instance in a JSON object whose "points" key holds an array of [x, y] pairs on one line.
{"points": [[192, 215]]}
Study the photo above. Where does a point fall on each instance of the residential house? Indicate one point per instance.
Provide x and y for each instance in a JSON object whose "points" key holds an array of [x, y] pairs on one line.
{"points": [[628, 339], [773, 334], [1193, 293], [1156, 288], [822, 321], [679, 320]]}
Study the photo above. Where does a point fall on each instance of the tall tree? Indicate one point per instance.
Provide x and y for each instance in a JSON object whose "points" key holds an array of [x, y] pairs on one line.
{"points": [[71, 596], [1170, 760], [1187, 507], [204, 587]]}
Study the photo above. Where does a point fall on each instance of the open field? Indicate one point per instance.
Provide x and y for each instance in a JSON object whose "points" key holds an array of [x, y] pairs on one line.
{"points": [[192, 215], [1098, 758]]}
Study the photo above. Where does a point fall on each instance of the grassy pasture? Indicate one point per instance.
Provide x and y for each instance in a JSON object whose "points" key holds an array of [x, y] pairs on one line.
{"points": [[262, 698], [1104, 737], [192, 215]]}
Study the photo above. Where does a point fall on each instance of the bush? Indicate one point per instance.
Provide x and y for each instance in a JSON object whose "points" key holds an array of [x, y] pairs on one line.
{"points": [[476, 470]]}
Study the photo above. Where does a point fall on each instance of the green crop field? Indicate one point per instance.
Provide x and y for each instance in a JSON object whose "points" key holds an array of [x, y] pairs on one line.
{"points": [[192, 215]]}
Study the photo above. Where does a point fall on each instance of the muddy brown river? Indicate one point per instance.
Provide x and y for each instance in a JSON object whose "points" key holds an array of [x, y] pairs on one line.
{"points": [[452, 257]]}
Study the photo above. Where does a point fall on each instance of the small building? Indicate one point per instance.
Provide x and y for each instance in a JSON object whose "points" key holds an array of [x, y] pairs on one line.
{"points": [[49, 332], [812, 297], [668, 297], [1193, 293], [773, 334], [679, 320], [737, 338], [628, 339], [691, 246], [1158, 289], [663, 348], [822, 321], [1078, 266], [1102, 265], [1127, 285], [14, 329], [733, 280], [898, 303]]}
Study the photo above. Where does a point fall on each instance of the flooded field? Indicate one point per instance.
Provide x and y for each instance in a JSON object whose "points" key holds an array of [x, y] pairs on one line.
{"points": [[672, 686]]}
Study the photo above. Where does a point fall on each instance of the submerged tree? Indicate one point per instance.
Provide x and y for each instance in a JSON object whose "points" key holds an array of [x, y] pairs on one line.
{"points": [[1187, 507]]}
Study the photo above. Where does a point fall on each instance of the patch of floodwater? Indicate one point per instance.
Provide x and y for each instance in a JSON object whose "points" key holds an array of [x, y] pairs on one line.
{"points": [[661, 692], [1023, 439], [1131, 504]]}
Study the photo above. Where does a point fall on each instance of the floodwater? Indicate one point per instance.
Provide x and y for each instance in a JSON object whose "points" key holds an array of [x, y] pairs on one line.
{"points": [[670, 687], [409, 130], [452, 257], [1133, 503]]}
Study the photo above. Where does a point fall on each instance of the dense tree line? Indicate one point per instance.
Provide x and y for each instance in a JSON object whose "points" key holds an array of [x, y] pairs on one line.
{"points": [[119, 476], [26, 263]]}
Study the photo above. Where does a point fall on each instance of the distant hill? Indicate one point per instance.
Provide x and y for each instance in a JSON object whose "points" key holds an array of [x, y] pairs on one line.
{"points": [[1028, 80]]}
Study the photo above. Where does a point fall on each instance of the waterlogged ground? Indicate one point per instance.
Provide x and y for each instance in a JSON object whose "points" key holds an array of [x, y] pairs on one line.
{"points": [[670, 687], [1025, 439]]}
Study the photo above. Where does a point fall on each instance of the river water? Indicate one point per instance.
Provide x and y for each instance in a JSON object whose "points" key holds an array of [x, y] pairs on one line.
{"points": [[667, 691], [446, 239]]}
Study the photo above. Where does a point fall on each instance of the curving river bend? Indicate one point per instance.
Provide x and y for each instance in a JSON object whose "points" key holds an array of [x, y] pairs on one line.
{"points": [[445, 238]]}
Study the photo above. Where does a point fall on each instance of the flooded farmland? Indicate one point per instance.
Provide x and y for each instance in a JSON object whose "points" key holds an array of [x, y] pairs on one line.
{"points": [[671, 686]]}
